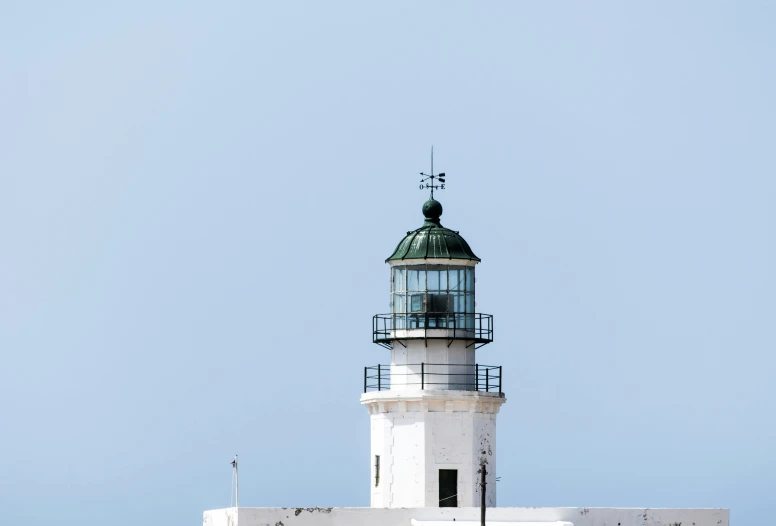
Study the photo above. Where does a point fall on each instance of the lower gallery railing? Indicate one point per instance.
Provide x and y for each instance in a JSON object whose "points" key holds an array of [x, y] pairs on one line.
{"points": [[460, 377]]}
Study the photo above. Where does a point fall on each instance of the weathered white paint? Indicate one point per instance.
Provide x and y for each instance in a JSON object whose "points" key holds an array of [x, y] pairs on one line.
{"points": [[418, 432], [452, 516]]}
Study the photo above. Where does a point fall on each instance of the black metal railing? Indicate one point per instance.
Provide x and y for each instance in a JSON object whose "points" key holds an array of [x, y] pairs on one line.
{"points": [[462, 377], [472, 326]]}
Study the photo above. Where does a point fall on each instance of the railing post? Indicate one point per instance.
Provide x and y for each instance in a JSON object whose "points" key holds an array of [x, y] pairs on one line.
{"points": [[487, 378], [476, 377], [379, 385], [365, 379], [422, 376], [499, 379]]}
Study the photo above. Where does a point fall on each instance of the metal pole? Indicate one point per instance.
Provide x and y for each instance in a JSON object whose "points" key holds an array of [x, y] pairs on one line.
{"points": [[476, 377], [422, 376], [499, 379], [432, 172], [379, 380], [483, 484], [487, 378], [365, 379], [237, 485]]}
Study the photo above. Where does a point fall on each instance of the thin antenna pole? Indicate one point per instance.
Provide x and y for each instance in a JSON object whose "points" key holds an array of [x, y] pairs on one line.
{"points": [[432, 171], [237, 484]]}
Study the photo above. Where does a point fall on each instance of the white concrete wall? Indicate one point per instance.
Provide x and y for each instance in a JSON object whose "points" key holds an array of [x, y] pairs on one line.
{"points": [[454, 373], [495, 516], [461, 441], [417, 433]]}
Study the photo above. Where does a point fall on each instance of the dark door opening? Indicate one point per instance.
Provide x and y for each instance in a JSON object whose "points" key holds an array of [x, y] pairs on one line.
{"points": [[448, 488]]}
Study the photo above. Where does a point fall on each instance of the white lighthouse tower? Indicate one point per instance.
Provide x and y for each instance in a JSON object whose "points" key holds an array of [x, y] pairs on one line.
{"points": [[433, 407]]}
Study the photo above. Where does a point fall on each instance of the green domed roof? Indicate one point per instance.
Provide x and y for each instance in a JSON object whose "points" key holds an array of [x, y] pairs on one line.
{"points": [[432, 240]]}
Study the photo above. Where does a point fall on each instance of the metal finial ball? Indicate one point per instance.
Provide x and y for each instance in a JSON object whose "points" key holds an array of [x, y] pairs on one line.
{"points": [[432, 209]]}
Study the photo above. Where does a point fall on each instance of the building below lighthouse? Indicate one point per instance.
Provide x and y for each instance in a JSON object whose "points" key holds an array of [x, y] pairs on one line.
{"points": [[433, 405]]}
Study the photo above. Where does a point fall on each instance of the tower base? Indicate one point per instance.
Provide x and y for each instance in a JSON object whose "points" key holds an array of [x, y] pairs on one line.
{"points": [[428, 446]]}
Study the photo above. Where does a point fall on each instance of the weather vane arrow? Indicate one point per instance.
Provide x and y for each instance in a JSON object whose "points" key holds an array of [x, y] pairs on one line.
{"points": [[431, 181]]}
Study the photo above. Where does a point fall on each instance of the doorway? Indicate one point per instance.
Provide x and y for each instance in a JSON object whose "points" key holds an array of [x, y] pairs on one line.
{"points": [[448, 488]]}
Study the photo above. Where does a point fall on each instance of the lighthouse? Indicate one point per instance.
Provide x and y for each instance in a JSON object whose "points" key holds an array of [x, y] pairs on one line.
{"points": [[432, 404]]}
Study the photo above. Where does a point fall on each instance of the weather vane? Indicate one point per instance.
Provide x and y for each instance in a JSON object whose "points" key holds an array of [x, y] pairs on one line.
{"points": [[428, 180]]}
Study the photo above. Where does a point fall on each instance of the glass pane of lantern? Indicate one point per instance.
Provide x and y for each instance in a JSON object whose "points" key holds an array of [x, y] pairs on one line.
{"points": [[398, 302], [443, 279], [416, 303], [455, 302], [460, 283], [398, 279], [433, 279], [470, 303], [412, 280], [469, 279], [454, 279]]}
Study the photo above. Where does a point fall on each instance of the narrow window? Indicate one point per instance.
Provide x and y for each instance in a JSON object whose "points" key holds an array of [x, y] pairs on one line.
{"points": [[448, 488], [416, 303], [377, 470]]}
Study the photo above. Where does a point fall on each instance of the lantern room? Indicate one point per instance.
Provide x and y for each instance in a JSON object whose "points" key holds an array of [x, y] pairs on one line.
{"points": [[432, 287]]}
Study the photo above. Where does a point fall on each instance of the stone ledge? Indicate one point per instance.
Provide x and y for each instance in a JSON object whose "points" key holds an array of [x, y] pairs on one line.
{"points": [[432, 401]]}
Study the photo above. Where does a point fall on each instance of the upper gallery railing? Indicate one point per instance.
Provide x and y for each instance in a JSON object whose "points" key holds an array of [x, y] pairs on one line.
{"points": [[472, 326]]}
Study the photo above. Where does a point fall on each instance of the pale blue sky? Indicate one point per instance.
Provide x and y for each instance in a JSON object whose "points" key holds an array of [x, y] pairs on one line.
{"points": [[196, 200]]}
